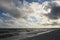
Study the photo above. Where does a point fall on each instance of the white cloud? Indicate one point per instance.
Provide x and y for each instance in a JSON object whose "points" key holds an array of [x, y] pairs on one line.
{"points": [[10, 7], [22, 14], [1, 21]]}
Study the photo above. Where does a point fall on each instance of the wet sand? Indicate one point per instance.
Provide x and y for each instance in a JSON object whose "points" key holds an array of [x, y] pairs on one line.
{"points": [[26, 34]]}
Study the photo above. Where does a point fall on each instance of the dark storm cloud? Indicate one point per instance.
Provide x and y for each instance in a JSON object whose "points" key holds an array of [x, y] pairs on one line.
{"points": [[55, 12]]}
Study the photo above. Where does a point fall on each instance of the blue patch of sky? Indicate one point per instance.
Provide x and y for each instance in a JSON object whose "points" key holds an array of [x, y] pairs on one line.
{"points": [[32, 19], [40, 1], [4, 17]]}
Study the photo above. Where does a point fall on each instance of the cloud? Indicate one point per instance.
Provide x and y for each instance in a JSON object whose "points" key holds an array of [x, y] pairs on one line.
{"points": [[1, 21], [15, 12], [10, 7], [27, 15], [55, 8], [55, 12]]}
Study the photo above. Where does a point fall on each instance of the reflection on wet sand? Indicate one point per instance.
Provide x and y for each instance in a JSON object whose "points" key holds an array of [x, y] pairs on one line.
{"points": [[23, 33]]}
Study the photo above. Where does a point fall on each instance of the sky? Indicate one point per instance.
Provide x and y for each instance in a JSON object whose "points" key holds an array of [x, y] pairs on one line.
{"points": [[40, 1], [29, 13]]}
